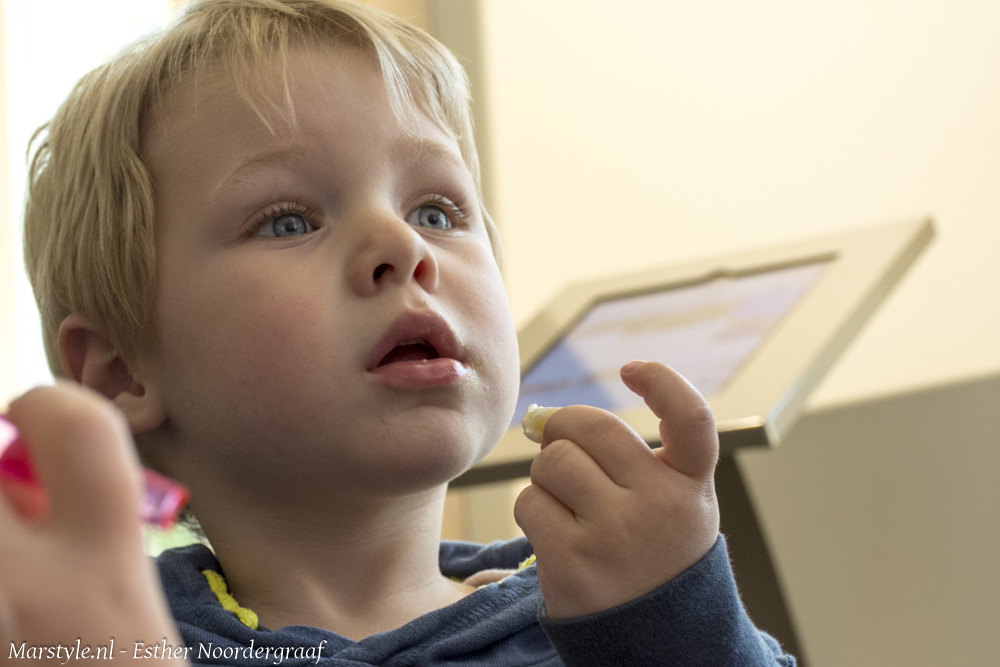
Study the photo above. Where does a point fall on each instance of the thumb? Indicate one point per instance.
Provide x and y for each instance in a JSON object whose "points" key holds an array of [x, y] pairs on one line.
{"points": [[687, 427]]}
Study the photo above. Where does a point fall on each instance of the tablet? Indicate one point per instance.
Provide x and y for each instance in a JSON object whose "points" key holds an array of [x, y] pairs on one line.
{"points": [[754, 332]]}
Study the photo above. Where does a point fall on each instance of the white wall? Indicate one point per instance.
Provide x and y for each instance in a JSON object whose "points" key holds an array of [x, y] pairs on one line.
{"points": [[8, 256], [46, 48]]}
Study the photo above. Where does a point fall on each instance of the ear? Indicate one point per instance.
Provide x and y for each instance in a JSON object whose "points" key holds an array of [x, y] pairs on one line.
{"points": [[89, 358]]}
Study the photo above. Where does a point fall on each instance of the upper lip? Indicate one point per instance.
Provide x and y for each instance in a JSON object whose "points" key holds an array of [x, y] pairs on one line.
{"points": [[417, 327]]}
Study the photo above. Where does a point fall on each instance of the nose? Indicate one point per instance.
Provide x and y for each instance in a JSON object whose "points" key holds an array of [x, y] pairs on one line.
{"points": [[391, 252]]}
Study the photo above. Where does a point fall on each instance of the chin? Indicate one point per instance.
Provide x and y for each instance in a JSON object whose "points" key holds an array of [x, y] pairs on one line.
{"points": [[440, 458]]}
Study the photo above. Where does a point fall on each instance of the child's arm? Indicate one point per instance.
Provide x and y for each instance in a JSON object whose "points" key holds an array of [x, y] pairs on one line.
{"points": [[611, 519], [74, 567]]}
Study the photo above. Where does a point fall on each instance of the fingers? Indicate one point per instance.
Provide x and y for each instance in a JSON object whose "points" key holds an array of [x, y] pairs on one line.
{"points": [[82, 454], [540, 515], [572, 477], [609, 442], [687, 428]]}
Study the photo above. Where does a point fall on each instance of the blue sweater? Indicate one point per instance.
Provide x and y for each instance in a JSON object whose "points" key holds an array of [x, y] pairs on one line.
{"points": [[695, 619]]}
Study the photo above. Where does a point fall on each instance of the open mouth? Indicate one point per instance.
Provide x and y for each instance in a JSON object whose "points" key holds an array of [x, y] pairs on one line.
{"points": [[419, 350], [415, 337], [409, 351]]}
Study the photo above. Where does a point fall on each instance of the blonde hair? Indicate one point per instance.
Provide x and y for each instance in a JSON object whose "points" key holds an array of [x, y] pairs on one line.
{"points": [[89, 215]]}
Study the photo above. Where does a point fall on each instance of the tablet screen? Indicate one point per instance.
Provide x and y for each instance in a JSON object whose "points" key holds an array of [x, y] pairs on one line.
{"points": [[706, 331]]}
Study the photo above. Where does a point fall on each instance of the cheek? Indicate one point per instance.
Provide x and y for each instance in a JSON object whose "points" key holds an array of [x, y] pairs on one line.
{"points": [[504, 379], [502, 334], [497, 337], [239, 330], [260, 357]]}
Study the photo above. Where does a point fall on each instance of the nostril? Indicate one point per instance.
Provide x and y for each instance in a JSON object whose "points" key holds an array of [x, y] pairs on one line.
{"points": [[379, 271], [418, 272]]}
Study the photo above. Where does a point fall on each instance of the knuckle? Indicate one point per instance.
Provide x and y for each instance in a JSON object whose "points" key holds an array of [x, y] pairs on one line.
{"points": [[585, 424], [554, 460], [524, 503], [545, 459], [700, 415], [573, 419], [698, 426], [556, 452]]}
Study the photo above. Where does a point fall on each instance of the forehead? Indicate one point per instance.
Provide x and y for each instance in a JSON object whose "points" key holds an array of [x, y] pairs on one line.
{"points": [[284, 101]]}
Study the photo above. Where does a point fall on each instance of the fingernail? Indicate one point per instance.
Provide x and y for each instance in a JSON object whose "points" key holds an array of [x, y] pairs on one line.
{"points": [[631, 366]]}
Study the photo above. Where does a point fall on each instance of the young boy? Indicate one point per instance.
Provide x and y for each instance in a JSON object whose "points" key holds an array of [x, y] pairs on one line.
{"points": [[260, 237]]}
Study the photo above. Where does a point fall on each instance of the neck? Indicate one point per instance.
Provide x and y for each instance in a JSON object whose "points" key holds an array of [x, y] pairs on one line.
{"points": [[368, 566]]}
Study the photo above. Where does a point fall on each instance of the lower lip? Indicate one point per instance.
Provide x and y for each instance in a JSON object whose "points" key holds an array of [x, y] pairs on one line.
{"points": [[418, 374]]}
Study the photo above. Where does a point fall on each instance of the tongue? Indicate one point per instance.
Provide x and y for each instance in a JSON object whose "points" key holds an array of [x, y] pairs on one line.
{"points": [[411, 352]]}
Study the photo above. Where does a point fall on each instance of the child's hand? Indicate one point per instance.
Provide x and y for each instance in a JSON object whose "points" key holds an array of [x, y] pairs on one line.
{"points": [[611, 519], [74, 567]]}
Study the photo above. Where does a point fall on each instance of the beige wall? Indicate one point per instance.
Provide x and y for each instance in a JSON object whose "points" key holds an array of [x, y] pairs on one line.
{"points": [[661, 131], [628, 134], [414, 11]]}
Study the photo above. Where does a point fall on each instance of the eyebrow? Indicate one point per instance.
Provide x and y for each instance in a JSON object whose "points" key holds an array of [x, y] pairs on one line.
{"points": [[422, 148], [270, 157]]}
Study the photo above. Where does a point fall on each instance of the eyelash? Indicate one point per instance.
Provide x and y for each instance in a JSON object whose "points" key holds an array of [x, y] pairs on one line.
{"points": [[457, 212], [460, 212], [275, 211]]}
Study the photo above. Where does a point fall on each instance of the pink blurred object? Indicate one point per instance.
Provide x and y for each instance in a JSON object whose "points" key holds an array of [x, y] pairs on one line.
{"points": [[162, 499]]}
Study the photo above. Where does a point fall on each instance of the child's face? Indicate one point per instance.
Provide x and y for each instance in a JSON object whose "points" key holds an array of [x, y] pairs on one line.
{"points": [[328, 304]]}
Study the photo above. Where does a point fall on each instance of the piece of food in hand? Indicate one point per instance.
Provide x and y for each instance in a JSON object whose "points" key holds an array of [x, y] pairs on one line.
{"points": [[534, 420]]}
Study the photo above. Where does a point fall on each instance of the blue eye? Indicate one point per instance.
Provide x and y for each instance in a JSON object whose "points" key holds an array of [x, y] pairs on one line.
{"points": [[287, 224], [432, 217]]}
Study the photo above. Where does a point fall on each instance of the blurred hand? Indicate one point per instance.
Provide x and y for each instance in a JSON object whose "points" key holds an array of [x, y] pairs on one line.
{"points": [[72, 563]]}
